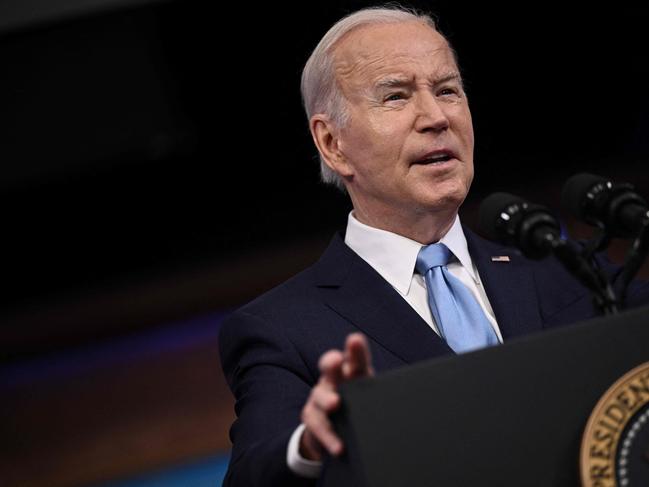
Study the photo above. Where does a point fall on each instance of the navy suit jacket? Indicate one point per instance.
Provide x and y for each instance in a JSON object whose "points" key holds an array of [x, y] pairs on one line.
{"points": [[270, 347]]}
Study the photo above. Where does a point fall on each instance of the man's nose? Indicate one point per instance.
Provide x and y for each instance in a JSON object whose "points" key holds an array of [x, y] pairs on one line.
{"points": [[430, 114]]}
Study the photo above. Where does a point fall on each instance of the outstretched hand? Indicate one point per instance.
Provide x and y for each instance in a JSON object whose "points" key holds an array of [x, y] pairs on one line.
{"points": [[335, 367]]}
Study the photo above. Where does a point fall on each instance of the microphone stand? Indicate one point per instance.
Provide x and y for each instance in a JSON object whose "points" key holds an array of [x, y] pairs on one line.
{"points": [[634, 259], [589, 275]]}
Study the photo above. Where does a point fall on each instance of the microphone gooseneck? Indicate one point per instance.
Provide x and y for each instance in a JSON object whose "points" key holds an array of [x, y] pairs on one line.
{"points": [[532, 228]]}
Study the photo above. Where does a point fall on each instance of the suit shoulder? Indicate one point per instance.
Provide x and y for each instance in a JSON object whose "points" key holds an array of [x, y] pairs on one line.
{"points": [[301, 292], [296, 290]]}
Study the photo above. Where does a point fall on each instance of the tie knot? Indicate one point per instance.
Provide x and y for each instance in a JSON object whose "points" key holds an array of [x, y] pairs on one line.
{"points": [[434, 255]]}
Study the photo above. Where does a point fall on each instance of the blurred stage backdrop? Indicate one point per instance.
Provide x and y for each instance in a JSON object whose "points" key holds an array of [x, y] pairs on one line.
{"points": [[157, 172]]}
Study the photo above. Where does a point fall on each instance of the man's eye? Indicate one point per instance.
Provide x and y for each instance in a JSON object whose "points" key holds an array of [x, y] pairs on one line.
{"points": [[394, 97], [448, 92]]}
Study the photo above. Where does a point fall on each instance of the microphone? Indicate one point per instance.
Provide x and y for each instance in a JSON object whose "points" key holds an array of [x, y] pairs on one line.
{"points": [[511, 220], [617, 210], [599, 202]]}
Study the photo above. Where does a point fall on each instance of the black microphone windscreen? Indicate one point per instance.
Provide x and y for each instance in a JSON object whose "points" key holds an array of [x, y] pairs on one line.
{"points": [[575, 190], [490, 210]]}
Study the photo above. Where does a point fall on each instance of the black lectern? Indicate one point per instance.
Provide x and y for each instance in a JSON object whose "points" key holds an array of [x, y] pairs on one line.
{"points": [[511, 415]]}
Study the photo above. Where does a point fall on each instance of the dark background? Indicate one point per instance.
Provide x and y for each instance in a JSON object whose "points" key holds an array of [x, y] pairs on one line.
{"points": [[146, 139], [156, 171]]}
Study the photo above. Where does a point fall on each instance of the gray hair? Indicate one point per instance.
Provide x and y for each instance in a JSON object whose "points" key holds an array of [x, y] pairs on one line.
{"points": [[320, 91]]}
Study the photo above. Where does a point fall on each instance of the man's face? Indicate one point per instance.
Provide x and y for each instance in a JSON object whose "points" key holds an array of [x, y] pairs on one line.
{"points": [[407, 147]]}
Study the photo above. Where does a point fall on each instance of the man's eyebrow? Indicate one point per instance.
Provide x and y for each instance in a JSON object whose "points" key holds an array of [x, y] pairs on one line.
{"points": [[401, 81], [393, 82], [453, 76]]}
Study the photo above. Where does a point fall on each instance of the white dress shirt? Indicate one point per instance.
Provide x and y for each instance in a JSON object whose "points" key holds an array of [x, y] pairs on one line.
{"points": [[394, 257]]}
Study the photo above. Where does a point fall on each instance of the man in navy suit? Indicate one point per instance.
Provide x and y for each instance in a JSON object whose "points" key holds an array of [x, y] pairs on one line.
{"points": [[391, 121]]}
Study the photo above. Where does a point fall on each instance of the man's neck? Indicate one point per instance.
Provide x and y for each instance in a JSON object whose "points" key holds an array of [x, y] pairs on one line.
{"points": [[425, 229]]}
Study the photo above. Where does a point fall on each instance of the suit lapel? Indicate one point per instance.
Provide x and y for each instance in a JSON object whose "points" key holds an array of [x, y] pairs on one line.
{"points": [[509, 286], [353, 289]]}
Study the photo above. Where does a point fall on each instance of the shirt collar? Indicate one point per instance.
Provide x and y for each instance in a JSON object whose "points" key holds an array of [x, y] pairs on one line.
{"points": [[394, 256]]}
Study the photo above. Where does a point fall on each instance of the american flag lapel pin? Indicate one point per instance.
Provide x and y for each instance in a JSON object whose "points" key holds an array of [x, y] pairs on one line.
{"points": [[500, 258]]}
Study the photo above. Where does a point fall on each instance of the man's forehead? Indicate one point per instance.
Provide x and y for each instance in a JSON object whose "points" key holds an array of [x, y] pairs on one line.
{"points": [[367, 39], [371, 46], [374, 53]]}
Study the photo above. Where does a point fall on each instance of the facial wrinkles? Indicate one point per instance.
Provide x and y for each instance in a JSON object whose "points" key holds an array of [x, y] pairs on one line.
{"points": [[359, 70], [406, 74], [353, 75]]}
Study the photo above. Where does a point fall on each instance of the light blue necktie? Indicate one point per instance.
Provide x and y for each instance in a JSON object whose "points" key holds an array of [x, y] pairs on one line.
{"points": [[459, 317]]}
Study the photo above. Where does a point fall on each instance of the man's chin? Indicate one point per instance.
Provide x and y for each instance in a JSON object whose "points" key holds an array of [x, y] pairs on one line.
{"points": [[446, 200]]}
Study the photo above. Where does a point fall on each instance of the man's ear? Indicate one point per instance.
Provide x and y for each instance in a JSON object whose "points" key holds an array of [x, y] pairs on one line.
{"points": [[326, 136]]}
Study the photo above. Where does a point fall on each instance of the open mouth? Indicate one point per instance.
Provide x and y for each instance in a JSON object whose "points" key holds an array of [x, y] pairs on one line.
{"points": [[435, 159]]}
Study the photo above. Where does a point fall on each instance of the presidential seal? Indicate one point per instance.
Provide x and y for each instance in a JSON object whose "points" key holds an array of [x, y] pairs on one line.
{"points": [[615, 444]]}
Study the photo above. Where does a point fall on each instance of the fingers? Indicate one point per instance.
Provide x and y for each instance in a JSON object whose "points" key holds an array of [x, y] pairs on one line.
{"points": [[357, 357], [330, 365], [319, 432], [335, 367], [323, 400], [326, 400]]}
